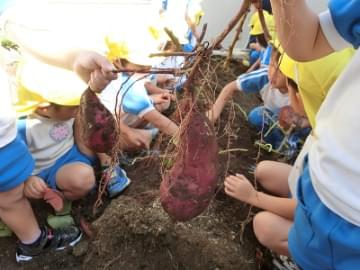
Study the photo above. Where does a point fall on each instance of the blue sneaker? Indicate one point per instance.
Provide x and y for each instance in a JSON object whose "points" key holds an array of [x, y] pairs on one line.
{"points": [[118, 181]]}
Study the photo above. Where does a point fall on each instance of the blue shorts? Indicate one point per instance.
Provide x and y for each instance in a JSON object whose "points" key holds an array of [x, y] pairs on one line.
{"points": [[16, 164], [319, 238], [254, 81], [71, 156], [263, 119]]}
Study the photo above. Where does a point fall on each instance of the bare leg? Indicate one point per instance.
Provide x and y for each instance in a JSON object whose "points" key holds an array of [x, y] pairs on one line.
{"points": [[16, 212], [273, 176], [75, 180], [272, 231]]}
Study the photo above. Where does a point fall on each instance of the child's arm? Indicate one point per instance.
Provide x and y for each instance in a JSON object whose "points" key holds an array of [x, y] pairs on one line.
{"points": [[308, 41], [133, 137], [225, 95], [239, 187], [160, 121], [152, 89], [254, 66]]}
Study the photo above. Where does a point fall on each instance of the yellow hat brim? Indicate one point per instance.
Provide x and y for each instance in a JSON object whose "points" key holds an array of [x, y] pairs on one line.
{"points": [[50, 83], [136, 48], [287, 66]]}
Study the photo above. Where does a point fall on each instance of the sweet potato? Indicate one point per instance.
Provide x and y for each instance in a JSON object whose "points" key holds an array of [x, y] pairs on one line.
{"points": [[100, 132], [188, 187], [288, 117]]}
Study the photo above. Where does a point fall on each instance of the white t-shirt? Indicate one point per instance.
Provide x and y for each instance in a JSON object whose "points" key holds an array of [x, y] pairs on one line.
{"points": [[48, 140], [335, 154], [273, 98], [7, 113], [133, 98]]}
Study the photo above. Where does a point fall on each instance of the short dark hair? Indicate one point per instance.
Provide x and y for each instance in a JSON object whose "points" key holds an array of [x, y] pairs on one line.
{"points": [[292, 83], [261, 40]]}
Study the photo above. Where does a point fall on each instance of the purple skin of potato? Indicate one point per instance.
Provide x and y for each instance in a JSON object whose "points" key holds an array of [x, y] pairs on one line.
{"points": [[189, 186], [99, 126]]}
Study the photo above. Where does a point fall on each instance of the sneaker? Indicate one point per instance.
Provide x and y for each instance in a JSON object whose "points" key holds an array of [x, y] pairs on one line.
{"points": [[283, 263], [118, 181], [49, 240]]}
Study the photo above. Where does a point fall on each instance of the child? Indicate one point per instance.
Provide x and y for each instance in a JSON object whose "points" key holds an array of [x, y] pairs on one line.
{"points": [[274, 95], [60, 164], [135, 107], [315, 78], [138, 108], [260, 45], [281, 179], [255, 27], [327, 227], [15, 210], [182, 18], [271, 226]]}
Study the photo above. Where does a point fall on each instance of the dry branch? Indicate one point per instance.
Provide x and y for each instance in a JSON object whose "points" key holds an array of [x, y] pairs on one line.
{"points": [[244, 8], [236, 38], [263, 23]]}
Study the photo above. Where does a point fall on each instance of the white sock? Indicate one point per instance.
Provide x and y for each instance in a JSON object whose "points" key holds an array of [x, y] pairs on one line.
{"points": [[33, 239]]}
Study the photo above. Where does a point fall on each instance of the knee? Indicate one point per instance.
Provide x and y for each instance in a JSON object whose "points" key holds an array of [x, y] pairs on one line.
{"points": [[262, 229], [82, 182], [86, 180], [256, 117], [262, 170]]}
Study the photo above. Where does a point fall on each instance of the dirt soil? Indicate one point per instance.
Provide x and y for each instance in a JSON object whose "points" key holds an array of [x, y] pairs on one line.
{"points": [[133, 231]]}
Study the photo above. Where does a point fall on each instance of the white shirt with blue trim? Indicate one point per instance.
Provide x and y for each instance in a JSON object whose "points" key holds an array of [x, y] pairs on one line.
{"points": [[335, 153], [133, 97]]}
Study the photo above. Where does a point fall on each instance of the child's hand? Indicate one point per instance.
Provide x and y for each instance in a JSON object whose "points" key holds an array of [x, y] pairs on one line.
{"points": [[162, 98], [255, 46], [239, 187], [138, 138], [170, 93], [35, 188]]}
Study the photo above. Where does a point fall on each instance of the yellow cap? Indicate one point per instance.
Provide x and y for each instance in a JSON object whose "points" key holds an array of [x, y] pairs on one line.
{"points": [[136, 45], [39, 82], [194, 11], [287, 66], [276, 44], [255, 24]]}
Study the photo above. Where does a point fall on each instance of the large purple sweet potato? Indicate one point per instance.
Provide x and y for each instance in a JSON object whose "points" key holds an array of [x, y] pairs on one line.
{"points": [[189, 186], [100, 131]]}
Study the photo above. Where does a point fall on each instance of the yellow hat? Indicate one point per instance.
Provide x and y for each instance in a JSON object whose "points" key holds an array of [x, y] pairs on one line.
{"points": [[255, 24], [39, 82], [136, 45], [287, 66], [276, 44], [194, 11]]}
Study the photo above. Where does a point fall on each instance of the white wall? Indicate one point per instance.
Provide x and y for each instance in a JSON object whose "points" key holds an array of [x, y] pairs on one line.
{"points": [[218, 13]]}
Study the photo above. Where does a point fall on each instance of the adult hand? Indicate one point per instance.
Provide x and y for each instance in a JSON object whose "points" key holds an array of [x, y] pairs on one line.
{"points": [[94, 69], [239, 187]]}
